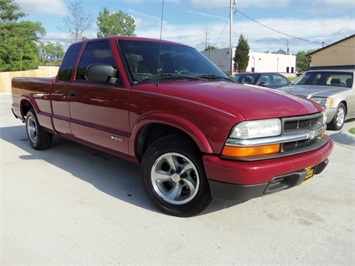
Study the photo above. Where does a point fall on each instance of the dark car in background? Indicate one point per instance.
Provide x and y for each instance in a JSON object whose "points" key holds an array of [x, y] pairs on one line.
{"points": [[270, 80]]}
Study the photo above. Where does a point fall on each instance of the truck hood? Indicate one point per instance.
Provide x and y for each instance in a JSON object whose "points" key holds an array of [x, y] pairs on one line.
{"points": [[252, 102], [309, 91]]}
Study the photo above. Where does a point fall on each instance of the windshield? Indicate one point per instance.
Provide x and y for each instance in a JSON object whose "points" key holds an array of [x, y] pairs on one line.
{"points": [[325, 78], [147, 60]]}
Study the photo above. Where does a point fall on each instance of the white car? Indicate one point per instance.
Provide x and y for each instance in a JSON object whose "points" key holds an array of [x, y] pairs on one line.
{"points": [[333, 89]]}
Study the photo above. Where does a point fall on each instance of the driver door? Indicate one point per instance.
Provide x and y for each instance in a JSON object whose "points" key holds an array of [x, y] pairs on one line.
{"points": [[99, 111]]}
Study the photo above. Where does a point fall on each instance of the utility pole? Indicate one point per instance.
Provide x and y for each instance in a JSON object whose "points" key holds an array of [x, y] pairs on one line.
{"points": [[287, 47], [230, 39], [232, 3], [206, 44]]}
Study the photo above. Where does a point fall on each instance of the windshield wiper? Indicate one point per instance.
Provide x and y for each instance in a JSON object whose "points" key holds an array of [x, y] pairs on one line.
{"points": [[213, 76], [169, 76]]}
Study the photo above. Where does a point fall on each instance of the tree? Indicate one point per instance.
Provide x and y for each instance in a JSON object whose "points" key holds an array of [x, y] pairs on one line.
{"points": [[10, 11], [18, 40], [77, 22], [51, 53], [303, 61], [26, 40], [211, 48], [241, 57], [116, 23]]}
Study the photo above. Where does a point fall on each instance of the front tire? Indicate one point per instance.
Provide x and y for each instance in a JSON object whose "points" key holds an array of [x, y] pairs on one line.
{"points": [[39, 139], [338, 120], [174, 178]]}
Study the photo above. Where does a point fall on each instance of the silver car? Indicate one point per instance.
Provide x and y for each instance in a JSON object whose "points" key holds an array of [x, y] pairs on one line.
{"points": [[334, 90]]}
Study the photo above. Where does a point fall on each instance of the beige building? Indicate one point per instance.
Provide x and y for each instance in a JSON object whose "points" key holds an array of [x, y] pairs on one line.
{"points": [[340, 54]]}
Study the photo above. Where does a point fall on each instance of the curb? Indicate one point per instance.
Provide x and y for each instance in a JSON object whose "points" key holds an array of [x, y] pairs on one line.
{"points": [[349, 134], [346, 129]]}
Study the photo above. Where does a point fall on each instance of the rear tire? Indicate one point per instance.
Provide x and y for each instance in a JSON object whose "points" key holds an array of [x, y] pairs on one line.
{"points": [[174, 177], [338, 120], [39, 139]]}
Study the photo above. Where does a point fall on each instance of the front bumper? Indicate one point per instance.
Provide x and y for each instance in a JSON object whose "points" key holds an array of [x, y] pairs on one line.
{"points": [[226, 191], [241, 180]]}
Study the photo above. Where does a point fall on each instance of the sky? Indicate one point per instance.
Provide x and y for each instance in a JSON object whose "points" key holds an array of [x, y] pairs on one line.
{"points": [[267, 25]]}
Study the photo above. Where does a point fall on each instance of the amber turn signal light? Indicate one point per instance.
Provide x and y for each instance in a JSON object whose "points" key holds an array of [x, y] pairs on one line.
{"points": [[231, 151]]}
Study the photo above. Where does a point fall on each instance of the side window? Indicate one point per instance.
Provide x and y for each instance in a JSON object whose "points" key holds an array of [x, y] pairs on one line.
{"points": [[67, 66], [248, 79], [99, 52], [264, 79], [280, 80]]}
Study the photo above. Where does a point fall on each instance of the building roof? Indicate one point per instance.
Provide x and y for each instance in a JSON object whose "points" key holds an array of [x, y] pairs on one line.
{"points": [[281, 52], [335, 43]]}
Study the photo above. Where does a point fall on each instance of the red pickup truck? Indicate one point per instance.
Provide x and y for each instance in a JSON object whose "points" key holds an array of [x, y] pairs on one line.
{"points": [[196, 134]]}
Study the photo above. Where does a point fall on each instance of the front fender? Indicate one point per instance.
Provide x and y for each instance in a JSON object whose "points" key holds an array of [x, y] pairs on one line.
{"points": [[174, 121]]}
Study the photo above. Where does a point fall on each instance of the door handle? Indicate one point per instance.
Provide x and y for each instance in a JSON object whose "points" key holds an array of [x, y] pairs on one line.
{"points": [[72, 93]]}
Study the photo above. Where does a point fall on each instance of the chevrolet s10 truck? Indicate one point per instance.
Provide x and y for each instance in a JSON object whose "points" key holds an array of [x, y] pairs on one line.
{"points": [[195, 133]]}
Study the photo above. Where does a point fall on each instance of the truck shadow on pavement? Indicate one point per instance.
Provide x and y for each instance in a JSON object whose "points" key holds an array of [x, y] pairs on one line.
{"points": [[113, 176], [343, 137]]}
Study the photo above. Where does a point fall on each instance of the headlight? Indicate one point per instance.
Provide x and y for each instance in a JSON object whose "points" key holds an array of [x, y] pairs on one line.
{"points": [[257, 129], [323, 101], [251, 130]]}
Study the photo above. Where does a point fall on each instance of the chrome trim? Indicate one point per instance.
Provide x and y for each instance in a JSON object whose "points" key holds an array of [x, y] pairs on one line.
{"points": [[296, 118], [308, 134]]}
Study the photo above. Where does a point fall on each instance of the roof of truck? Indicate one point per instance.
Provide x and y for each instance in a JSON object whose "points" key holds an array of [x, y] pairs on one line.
{"points": [[131, 38]]}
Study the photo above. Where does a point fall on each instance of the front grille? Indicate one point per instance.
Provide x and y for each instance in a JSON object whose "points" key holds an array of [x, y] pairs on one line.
{"points": [[298, 134], [299, 125], [297, 144]]}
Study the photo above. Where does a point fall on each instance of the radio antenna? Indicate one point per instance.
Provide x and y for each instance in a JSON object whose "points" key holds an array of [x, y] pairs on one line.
{"points": [[161, 19], [161, 38]]}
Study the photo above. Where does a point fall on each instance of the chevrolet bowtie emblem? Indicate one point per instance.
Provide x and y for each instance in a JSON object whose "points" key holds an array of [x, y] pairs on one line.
{"points": [[311, 134]]}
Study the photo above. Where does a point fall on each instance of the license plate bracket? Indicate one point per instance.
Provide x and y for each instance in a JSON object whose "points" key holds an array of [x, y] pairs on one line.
{"points": [[310, 173]]}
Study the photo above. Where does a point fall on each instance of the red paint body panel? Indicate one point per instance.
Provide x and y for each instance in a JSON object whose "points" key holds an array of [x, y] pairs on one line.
{"points": [[111, 117]]}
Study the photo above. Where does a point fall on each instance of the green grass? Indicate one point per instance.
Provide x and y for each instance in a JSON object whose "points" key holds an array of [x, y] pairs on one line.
{"points": [[352, 130]]}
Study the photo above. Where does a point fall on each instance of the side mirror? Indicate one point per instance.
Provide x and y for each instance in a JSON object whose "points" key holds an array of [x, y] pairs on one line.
{"points": [[262, 84], [101, 73]]}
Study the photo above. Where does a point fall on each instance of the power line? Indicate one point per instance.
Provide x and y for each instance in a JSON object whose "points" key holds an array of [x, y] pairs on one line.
{"points": [[341, 14], [288, 35], [225, 24]]}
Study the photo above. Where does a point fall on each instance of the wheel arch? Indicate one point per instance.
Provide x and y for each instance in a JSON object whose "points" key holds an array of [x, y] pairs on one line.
{"points": [[345, 105], [343, 102], [27, 103], [156, 126]]}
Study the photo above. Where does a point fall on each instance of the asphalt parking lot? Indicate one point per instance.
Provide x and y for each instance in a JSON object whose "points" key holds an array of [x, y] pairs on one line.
{"points": [[74, 205]]}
